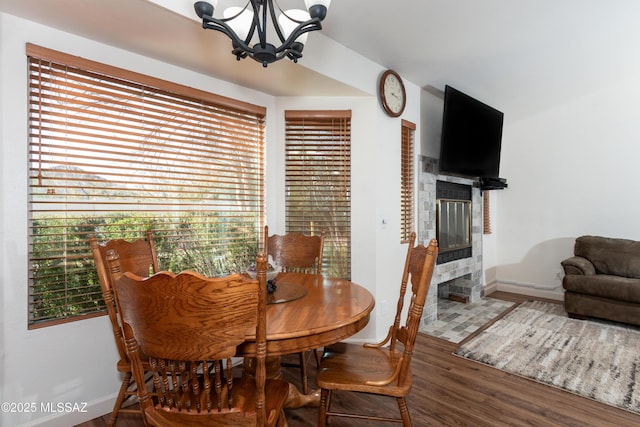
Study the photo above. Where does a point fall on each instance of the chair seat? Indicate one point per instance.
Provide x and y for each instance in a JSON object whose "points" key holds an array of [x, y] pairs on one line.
{"points": [[354, 367], [276, 392]]}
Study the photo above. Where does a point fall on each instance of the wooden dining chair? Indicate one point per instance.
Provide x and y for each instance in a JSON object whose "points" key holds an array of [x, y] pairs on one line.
{"points": [[139, 257], [300, 253], [189, 327], [295, 251], [383, 368]]}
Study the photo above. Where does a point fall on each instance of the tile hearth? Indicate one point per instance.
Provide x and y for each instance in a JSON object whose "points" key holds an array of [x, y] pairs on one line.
{"points": [[456, 320]]}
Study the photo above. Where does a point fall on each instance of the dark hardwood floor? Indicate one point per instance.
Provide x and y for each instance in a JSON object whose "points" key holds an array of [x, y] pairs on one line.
{"points": [[451, 391]]}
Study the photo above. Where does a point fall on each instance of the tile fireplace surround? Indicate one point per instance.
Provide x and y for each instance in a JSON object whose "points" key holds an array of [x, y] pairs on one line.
{"points": [[461, 277]]}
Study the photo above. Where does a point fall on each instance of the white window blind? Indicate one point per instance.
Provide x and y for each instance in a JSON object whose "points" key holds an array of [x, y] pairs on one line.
{"points": [[318, 182], [113, 153]]}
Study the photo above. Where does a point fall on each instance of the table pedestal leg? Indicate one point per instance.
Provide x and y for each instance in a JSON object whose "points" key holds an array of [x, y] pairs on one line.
{"points": [[274, 371]]}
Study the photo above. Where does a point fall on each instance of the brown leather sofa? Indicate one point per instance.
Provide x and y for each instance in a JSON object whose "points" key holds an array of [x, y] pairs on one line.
{"points": [[602, 279]]}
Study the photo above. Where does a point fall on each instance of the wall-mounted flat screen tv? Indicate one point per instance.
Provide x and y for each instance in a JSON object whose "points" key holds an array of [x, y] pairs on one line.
{"points": [[471, 136]]}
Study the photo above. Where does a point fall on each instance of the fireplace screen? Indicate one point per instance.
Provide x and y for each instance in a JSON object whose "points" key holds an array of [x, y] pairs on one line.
{"points": [[453, 222]]}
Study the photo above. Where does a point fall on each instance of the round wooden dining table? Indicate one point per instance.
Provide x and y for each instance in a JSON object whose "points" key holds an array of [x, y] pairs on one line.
{"points": [[307, 312]]}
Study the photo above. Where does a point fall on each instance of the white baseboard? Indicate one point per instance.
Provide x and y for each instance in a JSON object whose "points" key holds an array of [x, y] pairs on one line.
{"points": [[490, 288], [530, 289]]}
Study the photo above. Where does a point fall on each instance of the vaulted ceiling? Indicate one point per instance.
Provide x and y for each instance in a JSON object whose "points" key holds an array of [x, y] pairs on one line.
{"points": [[519, 56]]}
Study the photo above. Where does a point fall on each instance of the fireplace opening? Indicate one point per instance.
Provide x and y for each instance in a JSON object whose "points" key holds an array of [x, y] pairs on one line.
{"points": [[453, 221]]}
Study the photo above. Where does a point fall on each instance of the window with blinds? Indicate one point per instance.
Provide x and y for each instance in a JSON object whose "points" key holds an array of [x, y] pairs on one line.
{"points": [[406, 181], [318, 182], [113, 153]]}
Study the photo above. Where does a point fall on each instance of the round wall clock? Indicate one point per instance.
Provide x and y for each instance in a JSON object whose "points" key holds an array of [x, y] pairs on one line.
{"points": [[391, 93]]}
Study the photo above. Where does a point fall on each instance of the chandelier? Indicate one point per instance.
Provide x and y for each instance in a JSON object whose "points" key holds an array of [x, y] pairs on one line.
{"points": [[247, 27]]}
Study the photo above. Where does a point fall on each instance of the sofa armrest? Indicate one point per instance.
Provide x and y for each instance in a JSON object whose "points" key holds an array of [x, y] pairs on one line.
{"points": [[578, 265]]}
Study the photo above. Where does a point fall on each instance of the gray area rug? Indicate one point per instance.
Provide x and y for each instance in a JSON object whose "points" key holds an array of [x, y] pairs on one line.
{"points": [[537, 340]]}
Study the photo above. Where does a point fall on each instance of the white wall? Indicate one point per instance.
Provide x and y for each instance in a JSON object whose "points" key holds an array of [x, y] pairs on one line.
{"points": [[60, 363], [572, 170]]}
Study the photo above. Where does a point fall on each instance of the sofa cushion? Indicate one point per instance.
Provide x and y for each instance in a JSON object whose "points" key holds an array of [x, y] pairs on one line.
{"points": [[618, 257], [605, 286]]}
